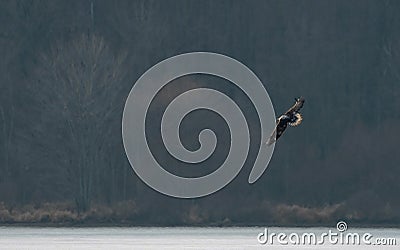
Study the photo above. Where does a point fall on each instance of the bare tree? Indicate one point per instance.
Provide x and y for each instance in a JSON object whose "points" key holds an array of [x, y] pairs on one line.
{"points": [[80, 81]]}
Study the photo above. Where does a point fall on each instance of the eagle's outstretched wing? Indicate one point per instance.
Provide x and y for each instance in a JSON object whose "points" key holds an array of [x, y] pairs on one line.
{"points": [[296, 107]]}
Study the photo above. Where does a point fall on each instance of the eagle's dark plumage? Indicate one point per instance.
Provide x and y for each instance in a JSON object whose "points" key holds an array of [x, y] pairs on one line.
{"points": [[292, 117]]}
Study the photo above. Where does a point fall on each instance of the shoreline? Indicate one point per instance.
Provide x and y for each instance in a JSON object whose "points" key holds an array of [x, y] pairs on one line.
{"points": [[129, 214], [210, 225]]}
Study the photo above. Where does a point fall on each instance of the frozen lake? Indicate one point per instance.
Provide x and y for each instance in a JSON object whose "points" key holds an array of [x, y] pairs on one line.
{"points": [[178, 238]]}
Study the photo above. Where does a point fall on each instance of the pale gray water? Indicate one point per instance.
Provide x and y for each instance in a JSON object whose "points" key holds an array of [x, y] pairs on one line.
{"points": [[28, 238]]}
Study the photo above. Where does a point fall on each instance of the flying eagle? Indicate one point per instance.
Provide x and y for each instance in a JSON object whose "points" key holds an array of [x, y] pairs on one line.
{"points": [[291, 117]]}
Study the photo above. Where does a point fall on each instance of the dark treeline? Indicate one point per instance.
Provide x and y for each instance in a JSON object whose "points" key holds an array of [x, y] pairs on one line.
{"points": [[67, 67]]}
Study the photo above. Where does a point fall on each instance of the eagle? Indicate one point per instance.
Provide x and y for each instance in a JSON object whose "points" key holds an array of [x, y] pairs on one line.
{"points": [[291, 117]]}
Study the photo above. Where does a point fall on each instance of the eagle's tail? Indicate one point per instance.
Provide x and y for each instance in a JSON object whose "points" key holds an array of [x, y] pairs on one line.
{"points": [[297, 121]]}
